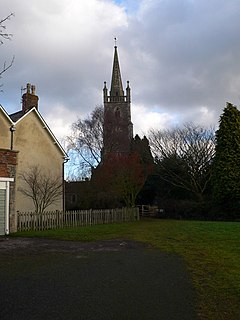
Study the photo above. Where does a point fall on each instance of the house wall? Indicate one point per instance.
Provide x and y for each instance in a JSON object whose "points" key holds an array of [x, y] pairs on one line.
{"points": [[8, 163], [5, 134], [36, 148]]}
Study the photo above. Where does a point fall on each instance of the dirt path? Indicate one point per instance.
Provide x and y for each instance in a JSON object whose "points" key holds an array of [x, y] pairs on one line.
{"points": [[125, 280]]}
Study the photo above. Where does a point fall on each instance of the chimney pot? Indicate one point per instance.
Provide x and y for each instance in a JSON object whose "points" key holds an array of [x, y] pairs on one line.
{"points": [[28, 87], [33, 89]]}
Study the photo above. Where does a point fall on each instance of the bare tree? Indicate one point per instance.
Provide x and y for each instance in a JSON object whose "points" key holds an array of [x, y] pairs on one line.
{"points": [[184, 156], [4, 35], [42, 188], [86, 142]]}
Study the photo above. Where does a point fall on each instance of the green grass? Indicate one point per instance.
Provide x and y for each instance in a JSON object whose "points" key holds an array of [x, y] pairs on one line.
{"points": [[211, 251]]}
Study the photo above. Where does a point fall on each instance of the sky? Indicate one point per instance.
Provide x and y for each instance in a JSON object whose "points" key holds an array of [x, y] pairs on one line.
{"points": [[182, 58]]}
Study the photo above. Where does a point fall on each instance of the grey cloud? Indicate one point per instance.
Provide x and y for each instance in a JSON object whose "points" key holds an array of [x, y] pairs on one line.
{"points": [[194, 48], [180, 56]]}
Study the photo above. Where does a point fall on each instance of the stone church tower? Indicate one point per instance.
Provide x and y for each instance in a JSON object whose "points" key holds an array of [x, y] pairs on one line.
{"points": [[118, 128]]}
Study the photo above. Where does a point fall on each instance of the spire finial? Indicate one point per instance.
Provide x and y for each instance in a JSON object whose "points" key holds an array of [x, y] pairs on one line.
{"points": [[115, 41]]}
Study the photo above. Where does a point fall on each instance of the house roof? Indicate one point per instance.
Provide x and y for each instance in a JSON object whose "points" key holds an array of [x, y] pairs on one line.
{"points": [[16, 117]]}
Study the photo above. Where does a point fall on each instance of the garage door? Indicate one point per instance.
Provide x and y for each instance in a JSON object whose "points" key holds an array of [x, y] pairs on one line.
{"points": [[2, 211], [4, 205]]}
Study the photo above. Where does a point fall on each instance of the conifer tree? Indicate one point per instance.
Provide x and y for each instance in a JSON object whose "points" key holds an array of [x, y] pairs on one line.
{"points": [[226, 166]]}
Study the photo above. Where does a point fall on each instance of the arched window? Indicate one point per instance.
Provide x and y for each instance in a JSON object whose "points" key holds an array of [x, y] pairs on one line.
{"points": [[117, 113]]}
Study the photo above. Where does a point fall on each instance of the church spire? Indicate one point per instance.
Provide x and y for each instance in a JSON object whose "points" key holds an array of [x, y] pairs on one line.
{"points": [[116, 85], [117, 127]]}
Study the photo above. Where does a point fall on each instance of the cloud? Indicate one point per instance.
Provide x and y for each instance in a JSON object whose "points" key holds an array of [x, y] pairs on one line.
{"points": [[181, 57], [144, 119], [59, 120], [192, 50]]}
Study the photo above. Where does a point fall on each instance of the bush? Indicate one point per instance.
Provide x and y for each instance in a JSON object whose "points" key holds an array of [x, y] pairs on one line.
{"points": [[186, 209]]}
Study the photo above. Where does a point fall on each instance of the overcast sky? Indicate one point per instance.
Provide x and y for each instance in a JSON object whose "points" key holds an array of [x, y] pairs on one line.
{"points": [[182, 58]]}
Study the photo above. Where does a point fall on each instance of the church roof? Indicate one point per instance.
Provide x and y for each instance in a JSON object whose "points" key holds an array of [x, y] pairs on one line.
{"points": [[116, 85]]}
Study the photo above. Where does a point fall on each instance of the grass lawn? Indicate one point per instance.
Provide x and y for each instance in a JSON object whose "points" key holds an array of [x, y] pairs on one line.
{"points": [[211, 251]]}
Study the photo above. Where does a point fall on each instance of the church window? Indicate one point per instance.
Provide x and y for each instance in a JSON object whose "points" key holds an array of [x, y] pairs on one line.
{"points": [[73, 198], [117, 113]]}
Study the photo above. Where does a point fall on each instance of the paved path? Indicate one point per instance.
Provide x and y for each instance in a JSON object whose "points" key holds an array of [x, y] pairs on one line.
{"points": [[108, 280]]}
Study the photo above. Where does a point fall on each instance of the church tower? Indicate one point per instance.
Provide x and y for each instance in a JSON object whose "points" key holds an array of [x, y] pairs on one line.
{"points": [[118, 128]]}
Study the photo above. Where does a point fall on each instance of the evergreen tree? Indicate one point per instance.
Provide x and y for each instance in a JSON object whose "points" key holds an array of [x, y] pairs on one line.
{"points": [[226, 166]]}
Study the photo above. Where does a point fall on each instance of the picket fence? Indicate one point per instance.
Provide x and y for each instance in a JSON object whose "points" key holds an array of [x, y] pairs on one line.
{"points": [[27, 221]]}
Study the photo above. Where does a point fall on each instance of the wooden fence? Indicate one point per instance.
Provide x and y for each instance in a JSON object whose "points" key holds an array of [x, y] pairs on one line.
{"points": [[27, 221]]}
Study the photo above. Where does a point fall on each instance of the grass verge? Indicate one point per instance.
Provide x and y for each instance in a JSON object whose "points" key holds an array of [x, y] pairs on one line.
{"points": [[211, 251]]}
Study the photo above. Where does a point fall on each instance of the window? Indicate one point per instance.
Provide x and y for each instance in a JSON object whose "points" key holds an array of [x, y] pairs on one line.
{"points": [[73, 198]]}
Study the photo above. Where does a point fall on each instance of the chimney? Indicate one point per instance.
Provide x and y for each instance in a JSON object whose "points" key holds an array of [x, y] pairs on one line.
{"points": [[29, 99]]}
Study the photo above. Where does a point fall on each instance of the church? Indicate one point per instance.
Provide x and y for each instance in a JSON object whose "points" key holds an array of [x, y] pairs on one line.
{"points": [[122, 156], [118, 128]]}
